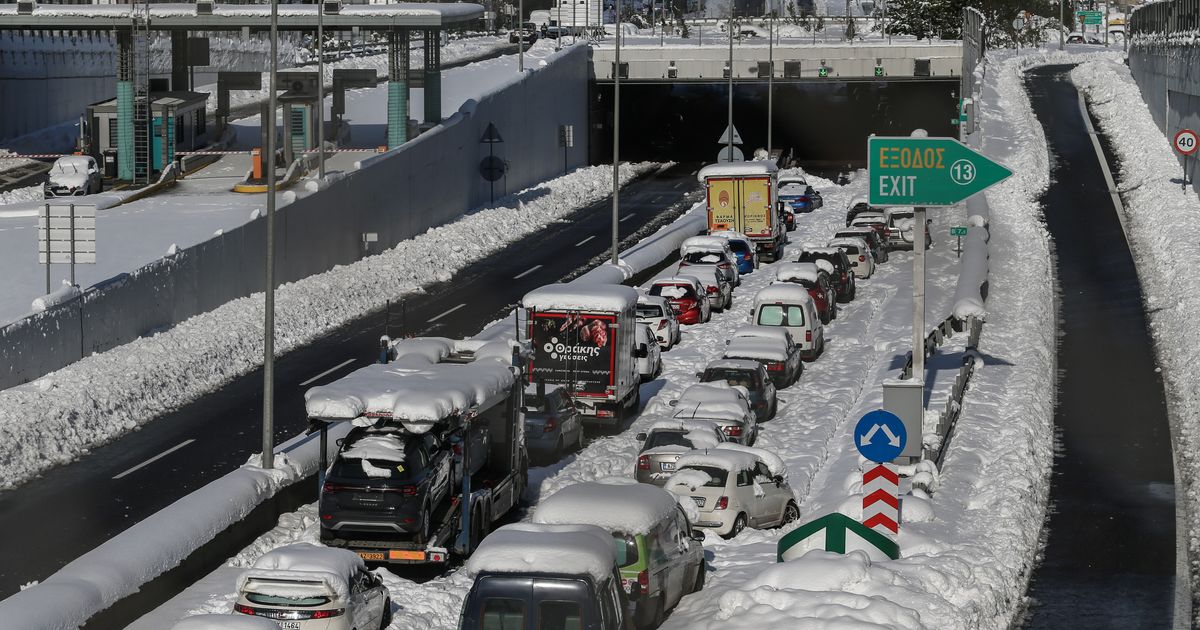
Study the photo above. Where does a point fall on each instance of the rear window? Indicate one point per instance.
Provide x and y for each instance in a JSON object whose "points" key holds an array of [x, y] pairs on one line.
{"points": [[649, 310], [627, 549], [739, 246], [716, 476], [667, 438], [671, 291], [559, 615], [780, 315], [702, 258], [850, 249], [299, 602], [502, 613], [733, 377]]}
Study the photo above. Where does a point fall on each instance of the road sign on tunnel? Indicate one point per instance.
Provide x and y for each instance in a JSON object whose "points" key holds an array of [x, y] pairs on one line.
{"points": [[907, 171]]}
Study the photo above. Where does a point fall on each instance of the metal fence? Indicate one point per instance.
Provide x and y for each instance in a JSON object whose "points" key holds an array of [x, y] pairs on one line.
{"points": [[973, 48], [1165, 18]]}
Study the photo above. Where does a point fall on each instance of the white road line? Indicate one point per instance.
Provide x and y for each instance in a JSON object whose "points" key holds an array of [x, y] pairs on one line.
{"points": [[434, 319], [626, 218], [156, 458], [527, 272], [580, 243], [327, 372]]}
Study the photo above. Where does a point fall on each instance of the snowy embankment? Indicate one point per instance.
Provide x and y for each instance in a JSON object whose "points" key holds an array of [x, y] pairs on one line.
{"points": [[21, 195], [1160, 220], [107, 395]]}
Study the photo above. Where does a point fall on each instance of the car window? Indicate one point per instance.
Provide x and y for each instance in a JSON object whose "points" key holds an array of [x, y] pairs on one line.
{"points": [[502, 613], [649, 310], [365, 469], [744, 478], [627, 549], [703, 258], [733, 377], [299, 602], [559, 615], [761, 470], [795, 316], [611, 605], [770, 315], [667, 438]]}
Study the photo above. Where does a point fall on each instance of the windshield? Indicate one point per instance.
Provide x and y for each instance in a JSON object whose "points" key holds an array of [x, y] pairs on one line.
{"points": [[716, 476], [702, 258], [627, 550], [670, 291], [273, 600], [733, 377], [780, 315], [649, 310]]}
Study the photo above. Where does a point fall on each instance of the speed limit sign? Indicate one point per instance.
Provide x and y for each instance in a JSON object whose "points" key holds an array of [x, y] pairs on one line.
{"points": [[1186, 142]]}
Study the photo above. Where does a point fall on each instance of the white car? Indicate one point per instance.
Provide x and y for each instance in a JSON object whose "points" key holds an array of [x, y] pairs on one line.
{"points": [[789, 305], [308, 587], [649, 356], [726, 406], [709, 251], [735, 487], [859, 254], [656, 312], [72, 176]]}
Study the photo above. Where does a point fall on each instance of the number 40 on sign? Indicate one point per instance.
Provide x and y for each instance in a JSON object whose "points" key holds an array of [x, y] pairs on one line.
{"points": [[1186, 144]]}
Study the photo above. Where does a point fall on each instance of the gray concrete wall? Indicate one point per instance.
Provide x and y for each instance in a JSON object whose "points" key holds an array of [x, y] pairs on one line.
{"points": [[430, 181]]}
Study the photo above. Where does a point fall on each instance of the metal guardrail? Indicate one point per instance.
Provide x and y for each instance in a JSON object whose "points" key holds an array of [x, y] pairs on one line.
{"points": [[1164, 18]]}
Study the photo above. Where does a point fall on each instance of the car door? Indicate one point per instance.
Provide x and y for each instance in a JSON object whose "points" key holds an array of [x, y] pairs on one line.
{"points": [[768, 387], [568, 418], [750, 501], [772, 498], [691, 551]]}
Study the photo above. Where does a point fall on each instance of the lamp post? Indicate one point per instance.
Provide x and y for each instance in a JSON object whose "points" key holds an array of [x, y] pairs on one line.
{"points": [[521, 36], [268, 424], [729, 129], [616, 169], [770, 80], [321, 89]]}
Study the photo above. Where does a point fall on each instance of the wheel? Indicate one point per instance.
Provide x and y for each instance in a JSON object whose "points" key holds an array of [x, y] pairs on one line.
{"points": [[558, 449], [738, 525], [678, 337], [386, 618], [791, 513], [729, 302], [698, 585], [424, 531], [774, 408], [707, 316]]}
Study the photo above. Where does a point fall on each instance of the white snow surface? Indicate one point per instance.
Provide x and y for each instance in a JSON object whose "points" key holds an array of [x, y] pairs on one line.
{"points": [[629, 509], [798, 272], [20, 195], [602, 298], [537, 548], [302, 562]]}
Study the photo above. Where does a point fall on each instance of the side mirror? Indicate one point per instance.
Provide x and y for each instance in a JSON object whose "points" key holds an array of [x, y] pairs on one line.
{"points": [[700, 376], [696, 535], [778, 479], [641, 437], [673, 402], [339, 442], [641, 351]]}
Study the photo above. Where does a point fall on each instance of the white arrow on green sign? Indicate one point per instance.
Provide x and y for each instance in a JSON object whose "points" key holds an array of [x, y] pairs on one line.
{"points": [[906, 171]]}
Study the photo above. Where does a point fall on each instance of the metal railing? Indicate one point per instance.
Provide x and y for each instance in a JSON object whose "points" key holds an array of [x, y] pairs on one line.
{"points": [[1164, 18]]}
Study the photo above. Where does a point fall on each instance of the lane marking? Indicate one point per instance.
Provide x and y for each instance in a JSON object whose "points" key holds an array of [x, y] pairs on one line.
{"points": [[434, 319], [1113, 192], [627, 217], [580, 243], [327, 372], [156, 458], [527, 272]]}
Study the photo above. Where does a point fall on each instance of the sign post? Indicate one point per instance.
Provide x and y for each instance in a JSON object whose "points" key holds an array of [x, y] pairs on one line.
{"points": [[66, 234], [491, 168], [1186, 144], [958, 232], [880, 437]]}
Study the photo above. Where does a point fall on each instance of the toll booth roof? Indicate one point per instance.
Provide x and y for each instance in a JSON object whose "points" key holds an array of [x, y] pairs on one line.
{"points": [[179, 100]]}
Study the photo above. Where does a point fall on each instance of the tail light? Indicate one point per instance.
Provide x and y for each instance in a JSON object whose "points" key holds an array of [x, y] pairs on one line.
{"points": [[644, 579], [711, 289], [643, 462], [662, 324], [243, 609], [808, 335], [748, 256], [723, 265], [721, 504], [604, 413], [862, 258], [458, 450], [733, 431], [775, 366], [550, 425], [276, 613], [802, 199]]}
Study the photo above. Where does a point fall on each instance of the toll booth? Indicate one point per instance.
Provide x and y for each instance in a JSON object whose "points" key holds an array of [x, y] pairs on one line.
{"points": [[179, 123]]}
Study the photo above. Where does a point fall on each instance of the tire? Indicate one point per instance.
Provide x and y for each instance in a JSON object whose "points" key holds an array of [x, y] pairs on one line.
{"points": [[425, 525], [774, 408], [791, 513], [386, 618], [739, 524], [729, 302], [698, 585], [558, 449]]}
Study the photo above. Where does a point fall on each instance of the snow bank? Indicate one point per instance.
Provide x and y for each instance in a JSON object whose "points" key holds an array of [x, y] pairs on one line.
{"points": [[553, 549], [571, 297], [629, 509], [62, 295], [20, 195]]}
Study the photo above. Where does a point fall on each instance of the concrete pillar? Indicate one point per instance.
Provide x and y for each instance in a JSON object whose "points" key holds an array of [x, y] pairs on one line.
{"points": [[125, 158], [179, 60], [433, 75], [398, 73]]}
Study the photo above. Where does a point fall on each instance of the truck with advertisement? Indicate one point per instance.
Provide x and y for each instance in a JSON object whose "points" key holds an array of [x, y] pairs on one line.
{"points": [[582, 339], [742, 198]]}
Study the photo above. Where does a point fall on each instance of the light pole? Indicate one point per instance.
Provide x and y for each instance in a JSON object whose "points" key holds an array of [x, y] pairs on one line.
{"points": [[729, 129], [521, 36], [558, 34], [268, 424], [321, 89], [1062, 42], [770, 80], [616, 202]]}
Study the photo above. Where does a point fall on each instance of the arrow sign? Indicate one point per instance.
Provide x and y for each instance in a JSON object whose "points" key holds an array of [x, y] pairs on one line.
{"points": [[880, 436], [905, 171], [737, 138], [837, 533], [491, 135]]}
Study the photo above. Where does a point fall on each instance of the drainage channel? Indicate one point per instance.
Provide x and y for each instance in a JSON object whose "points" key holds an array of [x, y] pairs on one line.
{"points": [[1110, 546]]}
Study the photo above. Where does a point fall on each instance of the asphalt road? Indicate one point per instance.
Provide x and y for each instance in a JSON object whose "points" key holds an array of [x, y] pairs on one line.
{"points": [[72, 508], [1109, 560]]}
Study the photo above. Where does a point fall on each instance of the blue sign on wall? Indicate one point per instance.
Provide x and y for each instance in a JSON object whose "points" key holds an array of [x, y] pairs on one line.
{"points": [[880, 436]]}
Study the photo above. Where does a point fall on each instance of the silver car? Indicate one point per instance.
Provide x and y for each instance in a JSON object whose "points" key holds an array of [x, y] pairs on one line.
{"points": [[552, 425], [665, 441]]}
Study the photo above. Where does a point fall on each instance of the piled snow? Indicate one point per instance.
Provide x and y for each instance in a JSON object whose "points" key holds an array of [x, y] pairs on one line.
{"points": [[104, 396], [782, 294], [799, 272], [386, 447], [703, 244], [432, 349], [62, 295], [773, 462], [714, 397], [553, 549], [571, 297], [303, 562], [756, 348], [225, 622], [689, 478], [1160, 222], [630, 509], [20, 195]]}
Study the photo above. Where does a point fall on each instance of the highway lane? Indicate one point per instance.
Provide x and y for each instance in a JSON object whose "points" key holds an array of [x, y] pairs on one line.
{"points": [[75, 507]]}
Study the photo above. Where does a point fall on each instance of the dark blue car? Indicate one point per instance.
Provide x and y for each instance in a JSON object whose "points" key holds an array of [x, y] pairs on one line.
{"points": [[744, 254], [796, 193]]}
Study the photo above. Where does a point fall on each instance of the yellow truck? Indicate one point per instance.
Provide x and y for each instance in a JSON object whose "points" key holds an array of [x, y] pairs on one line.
{"points": [[742, 198]]}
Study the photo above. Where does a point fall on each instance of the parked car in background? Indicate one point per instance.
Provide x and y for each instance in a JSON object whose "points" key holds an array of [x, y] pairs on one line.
{"points": [[735, 489], [876, 243], [772, 346], [746, 373], [743, 250], [843, 275], [725, 406], [900, 222], [527, 33], [796, 193], [687, 297], [710, 251], [816, 282], [308, 586], [716, 285], [649, 355], [660, 557], [72, 176], [859, 254], [656, 312], [552, 424], [790, 306], [545, 576], [858, 205], [666, 440]]}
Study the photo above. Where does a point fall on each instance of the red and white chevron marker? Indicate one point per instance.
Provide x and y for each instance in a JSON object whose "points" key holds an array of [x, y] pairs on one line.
{"points": [[881, 508]]}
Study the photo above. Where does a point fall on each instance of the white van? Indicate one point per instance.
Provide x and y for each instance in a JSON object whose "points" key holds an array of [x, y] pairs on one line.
{"points": [[790, 305]]}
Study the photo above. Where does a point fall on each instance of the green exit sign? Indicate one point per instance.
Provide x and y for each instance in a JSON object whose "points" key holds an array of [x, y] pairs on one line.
{"points": [[907, 171], [823, 72], [958, 230], [878, 71]]}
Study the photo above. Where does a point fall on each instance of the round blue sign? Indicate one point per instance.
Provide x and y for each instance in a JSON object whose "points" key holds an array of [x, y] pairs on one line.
{"points": [[880, 436]]}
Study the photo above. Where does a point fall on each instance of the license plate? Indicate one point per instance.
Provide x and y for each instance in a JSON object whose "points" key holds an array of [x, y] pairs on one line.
{"points": [[289, 625], [699, 501], [627, 586], [667, 466], [371, 555]]}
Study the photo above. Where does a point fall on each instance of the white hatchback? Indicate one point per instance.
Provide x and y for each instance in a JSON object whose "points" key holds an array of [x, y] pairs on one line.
{"points": [[735, 487], [649, 355], [859, 254], [655, 311]]}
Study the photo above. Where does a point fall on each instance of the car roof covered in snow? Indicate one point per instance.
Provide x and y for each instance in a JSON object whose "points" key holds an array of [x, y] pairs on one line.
{"points": [[630, 509], [656, 300], [773, 462], [72, 163], [225, 622], [413, 392], [775, 334], [820, 249], [825, 265], [798, 272], [681, 425], [703, 244], [732, 364], [856, 230], [716, 400], [680, 278], [550, 549], [901, 210], [793, 179], [733, 169], [731, 235], [755, 348], [848, 241], [868, 217], [573, 297], [859, 199], [302, 562], [724, 459], [783, 293]]}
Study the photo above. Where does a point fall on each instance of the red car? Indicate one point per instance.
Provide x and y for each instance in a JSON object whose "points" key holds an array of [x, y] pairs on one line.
{"points": [[815, 281], [686, 296]]}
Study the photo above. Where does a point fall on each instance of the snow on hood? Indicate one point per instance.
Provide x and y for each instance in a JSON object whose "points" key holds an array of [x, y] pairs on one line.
{"points": [[571, 297], [798, 272], [629, 509], [552, 549], [225, 622], [303, 562]]}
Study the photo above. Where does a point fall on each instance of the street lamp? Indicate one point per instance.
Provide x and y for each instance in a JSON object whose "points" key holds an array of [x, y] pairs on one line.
{"points": [[616, 202], [268, 424], [321, 89]]}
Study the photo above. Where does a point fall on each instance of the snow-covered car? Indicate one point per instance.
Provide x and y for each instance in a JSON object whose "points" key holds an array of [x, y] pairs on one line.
{"points": [[842, 275], [527, 33], [663, 557], [749, 374], [307, 587], [73, 175], [900, 225], [859, 254], [876, 241], [725, 406], [687, 298], [795, 191], [743, 249], [552, 424], [709, 251], [790, 306], [772, 346], [649, 355], [656, 312], [735, 487], [666, 440], [816, 281], [224, 622], [716, 285], [516, 566], [858, 205]]}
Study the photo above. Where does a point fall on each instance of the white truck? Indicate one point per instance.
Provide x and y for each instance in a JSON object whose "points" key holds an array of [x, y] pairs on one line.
{"points": [[582, 339], [742, 198]]}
